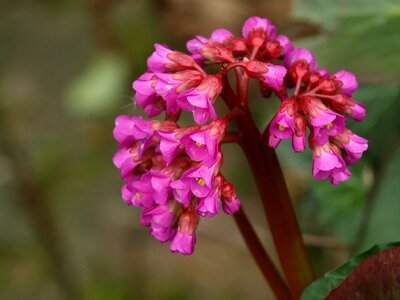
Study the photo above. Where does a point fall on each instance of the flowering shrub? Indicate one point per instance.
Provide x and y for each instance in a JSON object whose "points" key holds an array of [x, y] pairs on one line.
{"points": [[173, 172]]}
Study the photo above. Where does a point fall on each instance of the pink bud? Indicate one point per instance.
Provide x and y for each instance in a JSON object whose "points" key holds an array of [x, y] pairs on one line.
{"points": [[230, 202], [184, 240]]}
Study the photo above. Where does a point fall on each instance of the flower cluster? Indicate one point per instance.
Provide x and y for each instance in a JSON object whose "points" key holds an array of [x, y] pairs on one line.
{"points": [[320, 102], [173, 172]]}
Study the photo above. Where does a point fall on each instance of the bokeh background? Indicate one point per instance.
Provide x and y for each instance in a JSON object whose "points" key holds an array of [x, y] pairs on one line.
{"points": [[66, 69]]}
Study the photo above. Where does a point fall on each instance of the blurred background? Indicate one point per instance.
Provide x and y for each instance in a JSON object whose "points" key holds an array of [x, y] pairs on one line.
{"points": [[66, 69]]}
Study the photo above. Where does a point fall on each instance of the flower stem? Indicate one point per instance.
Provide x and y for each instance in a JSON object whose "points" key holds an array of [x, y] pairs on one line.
{"points": [[232, 137], [261, 257], [278, 208], [276, 201]]}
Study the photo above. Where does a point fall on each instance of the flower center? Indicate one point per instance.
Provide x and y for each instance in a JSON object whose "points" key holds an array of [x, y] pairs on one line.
{"points": [[329, 125], [137, 195], [201, 181], [199, 144], [281, 127]]}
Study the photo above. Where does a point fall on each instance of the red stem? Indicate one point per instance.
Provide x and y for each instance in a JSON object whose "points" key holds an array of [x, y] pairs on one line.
{"points": [[261, 257], [298, 85], [242, 85], [232, 137], [275, 198]]}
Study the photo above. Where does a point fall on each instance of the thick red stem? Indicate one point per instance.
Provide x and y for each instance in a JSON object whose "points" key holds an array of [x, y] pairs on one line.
{"points": [[232, 137], [261, 257], [275, 198]]}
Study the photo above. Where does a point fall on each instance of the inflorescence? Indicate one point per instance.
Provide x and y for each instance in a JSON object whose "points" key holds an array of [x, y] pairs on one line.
{"points": [[173, 172]]}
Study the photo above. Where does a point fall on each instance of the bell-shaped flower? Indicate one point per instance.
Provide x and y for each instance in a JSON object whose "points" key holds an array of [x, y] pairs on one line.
{"points": [[230, 202], [161, 220], [202, 145], [165, 60], [184, 240], [200, 100], [285, 43], [209, 205], [282, 125], [146, 95], [348, 81], [327, 162], [258, 30], [300, 54], [353, 145], [272, 75], [129, 129]]}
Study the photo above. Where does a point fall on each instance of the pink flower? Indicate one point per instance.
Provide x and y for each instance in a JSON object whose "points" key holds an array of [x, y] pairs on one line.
{"points": [[285, 43], [181, 190], [299, 136], [353, 145], [195, 47], [169, 145], [346, 105], [212, 49], [357, 110], [126, 159], [165, 60], [322, 134], [160, 182], [318, 114], [184, 240], [196, 181], [169, 86], [202, 145], [220, 35], [348, 80], [258, 28], [201, 180], [323, 72], [230, 202], [271, 75], [153, 105], [139, 192], [288, 124], [126, 192], [300, 54], [282, 125], [209, 205], [161, 219], [129, 129], [327, 162], [201, 99], [146, 96]]}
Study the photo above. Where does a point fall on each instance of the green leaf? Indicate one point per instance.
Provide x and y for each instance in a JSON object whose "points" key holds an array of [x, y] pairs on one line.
{"points": [[320, 288]]}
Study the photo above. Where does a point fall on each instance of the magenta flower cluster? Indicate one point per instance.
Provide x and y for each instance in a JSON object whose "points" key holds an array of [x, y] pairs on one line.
{"points": [[173, 172]]}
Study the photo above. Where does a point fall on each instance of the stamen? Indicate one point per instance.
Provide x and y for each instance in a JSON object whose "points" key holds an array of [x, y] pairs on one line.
{"points": [[199, 144], [137, 195], [329, 125], [201, 181], [281, 127]]}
